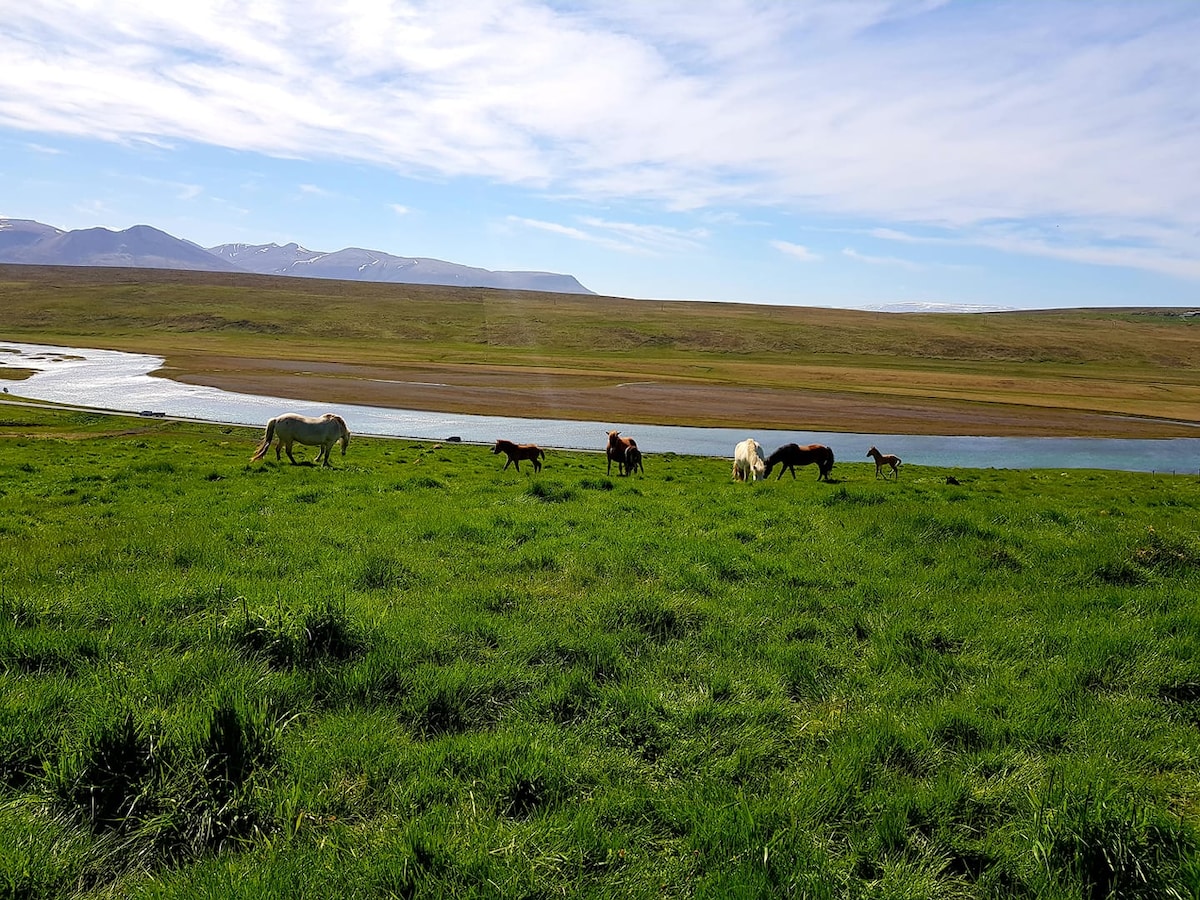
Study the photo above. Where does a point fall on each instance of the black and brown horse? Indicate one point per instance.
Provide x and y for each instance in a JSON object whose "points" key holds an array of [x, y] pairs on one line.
{"points": [[518, 452], [791, 455], [617, 449], [633, 460]]}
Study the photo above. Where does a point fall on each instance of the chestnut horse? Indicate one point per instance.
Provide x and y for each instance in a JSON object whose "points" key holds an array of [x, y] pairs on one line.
{"points": [[617, 446], [292, 428], [518, 452], [791, 455], [882, 460]]}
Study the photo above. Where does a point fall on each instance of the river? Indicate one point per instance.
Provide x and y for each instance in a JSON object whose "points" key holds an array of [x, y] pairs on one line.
{"points": [[117, 381]]}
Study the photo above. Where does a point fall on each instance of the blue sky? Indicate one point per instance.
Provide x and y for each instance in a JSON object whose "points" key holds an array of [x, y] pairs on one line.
{"points": [[843, 153]]}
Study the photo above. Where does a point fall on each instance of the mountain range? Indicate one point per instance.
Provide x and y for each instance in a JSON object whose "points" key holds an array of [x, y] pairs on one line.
{"points": [[26, 242]]}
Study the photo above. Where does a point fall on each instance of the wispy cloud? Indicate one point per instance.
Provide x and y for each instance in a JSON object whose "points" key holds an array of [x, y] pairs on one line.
{"points": [[902, 112], [796, 251], [911, 266], [654, 238], [576, 234], [399, 209]]}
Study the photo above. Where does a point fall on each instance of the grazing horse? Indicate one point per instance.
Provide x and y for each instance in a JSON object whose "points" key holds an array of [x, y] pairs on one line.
{"points": [[633, 461], [617, 446], [748, 461], [518, 452], [882, 460], [292, 428], [791, 455]]}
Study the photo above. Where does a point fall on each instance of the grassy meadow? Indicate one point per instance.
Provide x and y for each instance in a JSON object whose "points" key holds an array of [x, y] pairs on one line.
{"points": [[414, 675]]}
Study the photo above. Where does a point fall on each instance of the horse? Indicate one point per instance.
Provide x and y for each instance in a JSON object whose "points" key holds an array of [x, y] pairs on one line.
{"points": [[616, 448], [748, 461], [791, 455], [518, 452], [882, 460], [292, 428], [633, 461]]}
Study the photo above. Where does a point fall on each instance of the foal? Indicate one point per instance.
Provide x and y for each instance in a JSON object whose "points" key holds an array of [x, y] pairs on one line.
{"points": [[882, 460], [633, 461], [518, 452]]}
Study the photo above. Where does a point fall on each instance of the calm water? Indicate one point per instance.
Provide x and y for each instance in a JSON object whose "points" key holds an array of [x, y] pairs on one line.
{"points": [[107, 379]]}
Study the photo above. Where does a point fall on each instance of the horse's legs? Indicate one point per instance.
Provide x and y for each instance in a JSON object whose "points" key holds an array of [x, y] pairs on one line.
{"points": [[506, 462], [287, 448], [278, 447], [537, 464]]}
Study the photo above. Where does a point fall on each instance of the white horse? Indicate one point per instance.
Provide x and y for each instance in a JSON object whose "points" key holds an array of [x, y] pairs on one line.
{"points": [[292, 428], [748, 462]]}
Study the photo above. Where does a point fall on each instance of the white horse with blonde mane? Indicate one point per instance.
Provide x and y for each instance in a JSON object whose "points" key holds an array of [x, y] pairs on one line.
{"points": [[748, 462], [291, 428]]}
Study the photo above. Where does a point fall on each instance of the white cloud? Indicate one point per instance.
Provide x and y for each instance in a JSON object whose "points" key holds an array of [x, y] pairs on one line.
{"points": [[904, 112], [796, 251], [399, 209]]}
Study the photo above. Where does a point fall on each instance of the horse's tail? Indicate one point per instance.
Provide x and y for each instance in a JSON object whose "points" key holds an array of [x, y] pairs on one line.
{"points": [[266, 442]]}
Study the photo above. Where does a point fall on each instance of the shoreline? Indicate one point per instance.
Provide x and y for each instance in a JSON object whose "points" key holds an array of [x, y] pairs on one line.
{"points": [[651, 403]]}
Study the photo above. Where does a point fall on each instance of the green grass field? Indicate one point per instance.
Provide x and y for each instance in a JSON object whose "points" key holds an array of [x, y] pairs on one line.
{"points": [[413, 675]]}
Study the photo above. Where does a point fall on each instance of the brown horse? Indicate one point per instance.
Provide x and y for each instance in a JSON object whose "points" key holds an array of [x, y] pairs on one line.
{"points": [[518, 452], [791, 455], [616, 449], [882, 460]]}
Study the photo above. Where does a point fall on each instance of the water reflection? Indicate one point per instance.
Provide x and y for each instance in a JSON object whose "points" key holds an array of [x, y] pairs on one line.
{"points": [[108, 379]]}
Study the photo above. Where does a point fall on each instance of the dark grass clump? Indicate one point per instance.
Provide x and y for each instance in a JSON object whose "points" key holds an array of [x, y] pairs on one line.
{"points": [[843, 497], [549, 492], [653, 617], [323, 633], [153, 802], [456, 699], [381, 572], [1104, 844], [1167, 555], [596, 484], [111, 777]]}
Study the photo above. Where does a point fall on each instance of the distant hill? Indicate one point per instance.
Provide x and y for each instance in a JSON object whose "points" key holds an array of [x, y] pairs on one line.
{"points": [[356, 264], [24, 241], [140, 247]]}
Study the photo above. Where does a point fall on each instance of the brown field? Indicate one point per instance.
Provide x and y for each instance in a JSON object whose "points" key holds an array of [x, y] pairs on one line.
{"points": [[1113, 373]]}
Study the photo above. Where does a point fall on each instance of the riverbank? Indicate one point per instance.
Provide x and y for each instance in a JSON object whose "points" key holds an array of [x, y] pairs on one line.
{"points": [[542, 394], [114, 381], [1120, 373]]}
